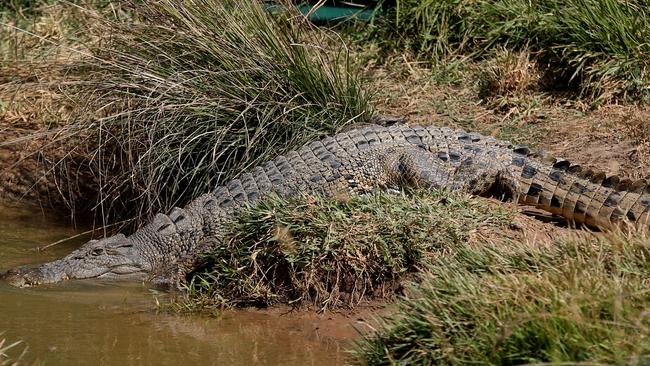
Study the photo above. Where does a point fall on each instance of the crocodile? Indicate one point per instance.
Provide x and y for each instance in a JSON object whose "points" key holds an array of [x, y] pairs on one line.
{"points": [[358, 161]]}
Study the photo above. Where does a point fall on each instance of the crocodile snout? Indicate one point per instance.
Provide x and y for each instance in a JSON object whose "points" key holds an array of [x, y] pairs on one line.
{"points": [[23, 277]]}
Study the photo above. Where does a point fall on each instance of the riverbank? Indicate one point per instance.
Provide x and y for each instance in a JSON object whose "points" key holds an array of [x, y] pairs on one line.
{"points": [[121, 323], [105, 135]]}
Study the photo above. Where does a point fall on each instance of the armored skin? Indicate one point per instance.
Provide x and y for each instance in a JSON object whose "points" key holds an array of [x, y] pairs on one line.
{"points": [[353, 162]]}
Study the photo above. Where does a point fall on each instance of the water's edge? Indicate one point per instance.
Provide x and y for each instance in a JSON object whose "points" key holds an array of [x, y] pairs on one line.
{"points": [[90, 322]]}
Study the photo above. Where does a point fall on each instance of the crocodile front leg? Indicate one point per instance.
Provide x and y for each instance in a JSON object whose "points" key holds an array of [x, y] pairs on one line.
{"points": [[475, 173]]}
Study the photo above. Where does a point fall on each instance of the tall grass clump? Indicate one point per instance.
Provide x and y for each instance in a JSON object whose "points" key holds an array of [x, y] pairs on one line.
{"points": [[329, 253], [598, 47], [584, 301], [177, 97]]}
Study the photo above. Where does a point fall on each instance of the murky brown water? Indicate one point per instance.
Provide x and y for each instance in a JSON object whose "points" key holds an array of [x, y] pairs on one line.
{"points": [[91, 323]]}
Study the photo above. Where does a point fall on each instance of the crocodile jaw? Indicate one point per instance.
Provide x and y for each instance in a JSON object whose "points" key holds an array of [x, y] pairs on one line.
{"points": [[114, 257], [26, 277]]}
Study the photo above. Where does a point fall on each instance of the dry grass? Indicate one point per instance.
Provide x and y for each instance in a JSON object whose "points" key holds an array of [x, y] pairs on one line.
{"points": [[597, 48], [329, 253], [304, 252], [169, 100], [6, 349], [581, 301], [507, 79], [36, 41]]}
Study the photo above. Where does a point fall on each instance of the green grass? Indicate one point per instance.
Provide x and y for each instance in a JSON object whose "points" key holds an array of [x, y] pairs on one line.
{"points": [[329, 253], [581, 301], [175, 98], [597, 47]]}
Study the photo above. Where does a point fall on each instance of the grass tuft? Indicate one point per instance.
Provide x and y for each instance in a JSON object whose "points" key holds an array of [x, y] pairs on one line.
{"points": [[583, 301], [329, 253], [598, 48], [508, 78], [175, 98]]}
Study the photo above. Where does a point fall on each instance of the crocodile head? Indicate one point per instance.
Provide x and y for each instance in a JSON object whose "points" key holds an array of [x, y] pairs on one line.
{"points": [[113, 257]]}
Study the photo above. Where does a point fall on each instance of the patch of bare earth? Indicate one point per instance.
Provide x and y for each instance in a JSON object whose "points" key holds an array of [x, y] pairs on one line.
{"points": [[614, 139], [530, 226]]}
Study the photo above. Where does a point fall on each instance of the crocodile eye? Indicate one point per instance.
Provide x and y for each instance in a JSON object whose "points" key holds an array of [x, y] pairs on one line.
{"points": [[96, 252]]}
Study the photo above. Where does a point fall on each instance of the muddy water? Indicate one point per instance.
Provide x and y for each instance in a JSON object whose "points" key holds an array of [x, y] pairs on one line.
{"points": [[94, 323]]}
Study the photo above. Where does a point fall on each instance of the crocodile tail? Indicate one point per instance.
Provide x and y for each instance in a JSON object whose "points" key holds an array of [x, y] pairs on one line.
{"points": [[581, 196]]}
